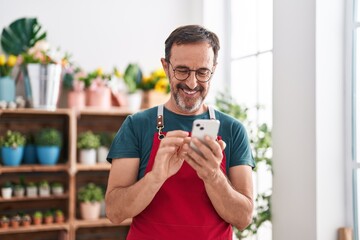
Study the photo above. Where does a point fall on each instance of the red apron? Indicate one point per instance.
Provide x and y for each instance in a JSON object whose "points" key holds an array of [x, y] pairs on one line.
{"points": [[181, 210]]}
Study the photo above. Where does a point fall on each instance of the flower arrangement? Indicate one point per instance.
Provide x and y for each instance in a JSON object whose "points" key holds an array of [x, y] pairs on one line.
{"points": [[134, 79], [43, 53], [7, 64], [157, 80]]}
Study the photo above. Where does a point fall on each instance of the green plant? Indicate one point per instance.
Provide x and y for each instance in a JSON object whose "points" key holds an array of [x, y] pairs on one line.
{"points": [[21, 35], [59, 213], [7, 184], [90, 193], [44, 184], [56, 184], [48, 137], [31, 184], [106, 138], [88, 140], [132, 77], [260, 141], [18, 187], [12, 139], [48, 213], [4, 219], [37, 214]]}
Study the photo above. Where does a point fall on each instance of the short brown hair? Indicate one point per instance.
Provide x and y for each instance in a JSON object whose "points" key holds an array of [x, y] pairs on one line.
{"points": [[191, 34]]}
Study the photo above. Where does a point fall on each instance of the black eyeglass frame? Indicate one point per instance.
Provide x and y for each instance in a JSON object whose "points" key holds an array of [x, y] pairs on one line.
{"points": [[189, 73]]}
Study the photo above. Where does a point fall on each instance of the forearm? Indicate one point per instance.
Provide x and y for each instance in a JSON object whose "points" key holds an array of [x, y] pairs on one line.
{"points": [[232, 206], [127, 202]]}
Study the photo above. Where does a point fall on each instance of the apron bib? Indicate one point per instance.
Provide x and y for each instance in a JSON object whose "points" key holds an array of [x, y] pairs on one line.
{"points": [[181, 209]]}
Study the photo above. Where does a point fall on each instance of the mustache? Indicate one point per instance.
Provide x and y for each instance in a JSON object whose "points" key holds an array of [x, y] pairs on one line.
{"points": [[185, 87]]}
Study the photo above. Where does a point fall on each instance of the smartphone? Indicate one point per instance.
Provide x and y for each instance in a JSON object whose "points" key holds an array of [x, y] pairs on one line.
{"points": [[202, 128]]}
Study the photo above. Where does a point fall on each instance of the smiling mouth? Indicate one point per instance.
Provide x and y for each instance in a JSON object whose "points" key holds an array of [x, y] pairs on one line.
{"points": [[189, 92]]}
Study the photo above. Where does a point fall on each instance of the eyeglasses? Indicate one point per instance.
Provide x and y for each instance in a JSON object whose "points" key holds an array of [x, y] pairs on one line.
{"points": [[202, 75]]}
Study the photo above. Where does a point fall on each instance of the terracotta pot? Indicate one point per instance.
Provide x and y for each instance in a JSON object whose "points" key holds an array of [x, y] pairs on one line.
{"points": [[37, 221], [76, 99], [49, 220], [152, 98], [15, 224], [59, 219], [100, 97], [4, 225]]}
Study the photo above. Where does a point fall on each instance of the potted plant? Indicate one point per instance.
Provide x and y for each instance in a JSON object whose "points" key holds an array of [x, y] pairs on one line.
{"points": [[132, 78], [12, 148], [48, 145], [57, 188], [44, 188], [26, 220], [48, 217], [15, 221], [31, 189], [87, 143], [37, 218], [6, 190], [7, 83], [30, 156], [19, 190], [90, 197], [59, 216], [4, 221], [105, 142]]}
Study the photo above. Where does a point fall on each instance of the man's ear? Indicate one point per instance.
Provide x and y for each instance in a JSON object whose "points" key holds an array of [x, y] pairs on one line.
{"points": [[165, 66]]}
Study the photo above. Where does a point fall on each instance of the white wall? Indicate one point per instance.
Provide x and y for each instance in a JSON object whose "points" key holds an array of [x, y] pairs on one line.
{"points": [[308, 117], [107, 33]]}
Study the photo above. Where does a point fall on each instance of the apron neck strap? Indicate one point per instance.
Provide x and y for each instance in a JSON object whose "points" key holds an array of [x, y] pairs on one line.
{"points": [[160, 118]]}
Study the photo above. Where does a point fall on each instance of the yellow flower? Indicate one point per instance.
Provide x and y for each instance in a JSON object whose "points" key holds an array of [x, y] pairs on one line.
{"points": [[117, 73], [2, 60], [99, 71], [11, 61], [162, 85], [159, 73], [146, 79]]}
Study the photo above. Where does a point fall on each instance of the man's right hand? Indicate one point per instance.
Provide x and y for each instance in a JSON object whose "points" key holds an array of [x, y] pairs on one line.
{"points": [[168, 159]]}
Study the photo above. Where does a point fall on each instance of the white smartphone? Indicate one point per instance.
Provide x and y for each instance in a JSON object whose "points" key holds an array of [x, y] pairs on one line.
{"points": [[204, 127]]}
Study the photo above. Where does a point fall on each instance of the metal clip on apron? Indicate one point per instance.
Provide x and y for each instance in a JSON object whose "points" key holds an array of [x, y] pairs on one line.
{"points": [[181, 209]]}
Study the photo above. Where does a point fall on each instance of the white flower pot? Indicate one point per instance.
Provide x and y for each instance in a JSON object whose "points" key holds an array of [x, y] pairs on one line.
{"points": [[102, 153], [88, 156], [57, 191], [44, 192], [31, 191], [90, 210], [19, 192], [6, 193]]}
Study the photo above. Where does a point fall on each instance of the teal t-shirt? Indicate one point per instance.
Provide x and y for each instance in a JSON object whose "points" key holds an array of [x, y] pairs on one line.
{"points": [[135, 136]]}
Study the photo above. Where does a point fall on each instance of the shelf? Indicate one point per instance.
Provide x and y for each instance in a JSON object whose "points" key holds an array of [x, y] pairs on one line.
{"points": [[114, 111], [32, 111], [37, 228], [103, 222], [33, 168], [37, 198], [97, 167]]}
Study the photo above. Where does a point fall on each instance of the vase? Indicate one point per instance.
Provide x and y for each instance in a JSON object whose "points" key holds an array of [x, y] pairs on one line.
{"points": [[7, 89], [152, 98], [76, 99], [134, 101], [99, 97], [44, 82]]}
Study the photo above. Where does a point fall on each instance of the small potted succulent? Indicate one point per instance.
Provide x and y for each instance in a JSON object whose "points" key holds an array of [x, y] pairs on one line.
{"points": [[31, 189], [44, 188], [4, 221], [15, 221], [26, 220], [6, 190], [37, 218], [90, 197], [12, 148], [87, 143], [48, 145], [57, 188], [19, 190], [59, 216], [48, 217]]}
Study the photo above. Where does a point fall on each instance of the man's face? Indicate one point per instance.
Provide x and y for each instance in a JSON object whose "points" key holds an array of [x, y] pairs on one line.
{"points": [[189, 94]]}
